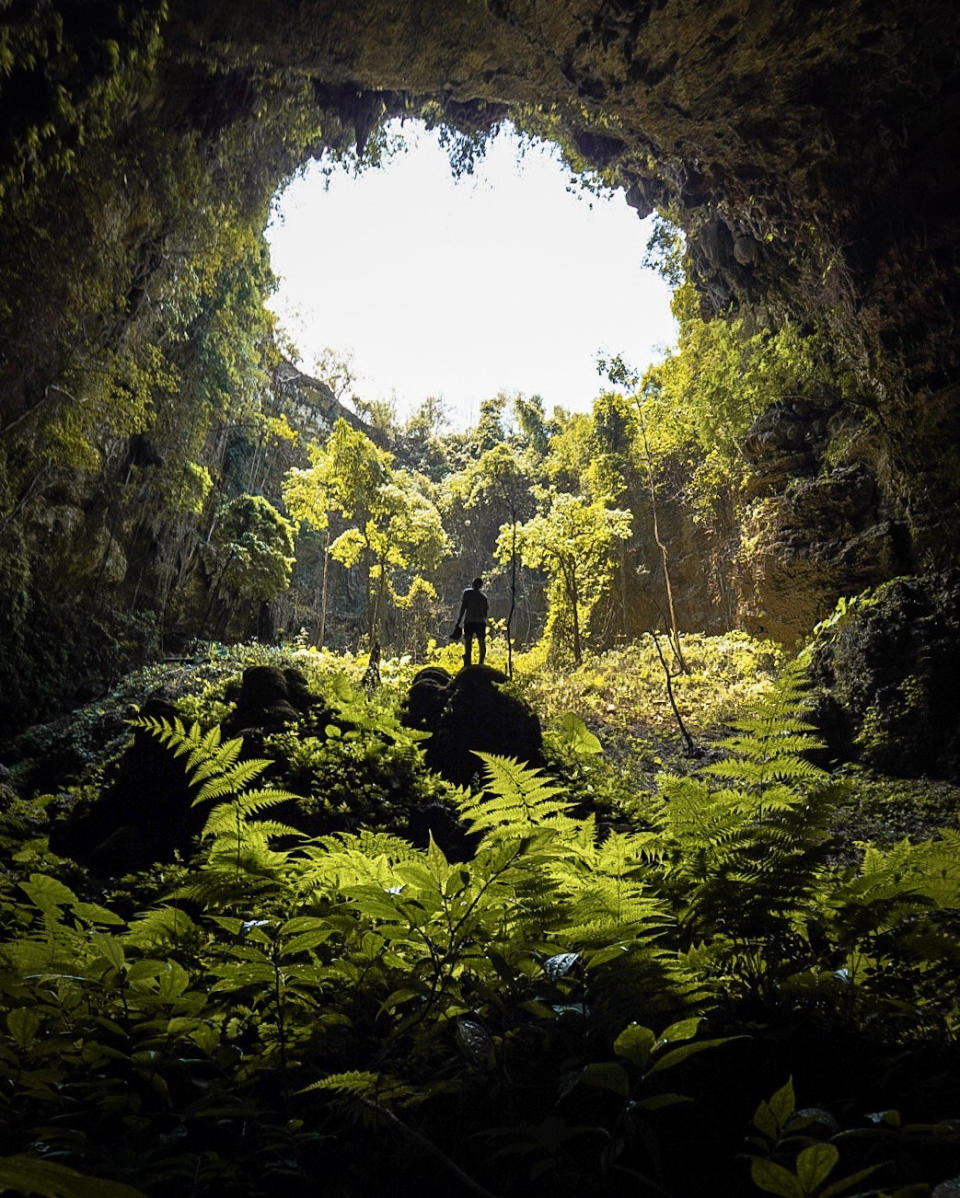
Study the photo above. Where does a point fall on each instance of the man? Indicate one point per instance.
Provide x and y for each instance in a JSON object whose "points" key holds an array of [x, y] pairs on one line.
{"points": [[473, 616]]}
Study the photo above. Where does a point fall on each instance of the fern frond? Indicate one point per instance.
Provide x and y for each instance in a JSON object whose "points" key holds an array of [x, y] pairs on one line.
{"points": [[233, 780], [161, 926], [219, 763], [205, 748], [516, 797], [380, 1089]]}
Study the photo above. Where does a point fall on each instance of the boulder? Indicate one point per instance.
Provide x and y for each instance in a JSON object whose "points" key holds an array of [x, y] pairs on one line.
{"points": [[145, 815], [426, 698], [269, 697], [885, 668], [472, 711]]}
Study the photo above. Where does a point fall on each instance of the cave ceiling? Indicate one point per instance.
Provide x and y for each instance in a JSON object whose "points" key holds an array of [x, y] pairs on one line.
{"points": [[808, 149]]}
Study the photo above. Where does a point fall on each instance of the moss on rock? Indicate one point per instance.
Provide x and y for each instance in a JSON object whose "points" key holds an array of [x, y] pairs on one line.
{"points": [[886, 665]]}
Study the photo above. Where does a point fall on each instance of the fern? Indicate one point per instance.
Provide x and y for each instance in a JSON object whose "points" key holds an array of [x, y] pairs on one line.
{"points": [[517, 798], [240, 840], [748, 854]]}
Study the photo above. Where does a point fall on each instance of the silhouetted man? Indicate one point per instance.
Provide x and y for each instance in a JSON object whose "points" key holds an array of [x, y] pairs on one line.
{"points": [[473, 615]]}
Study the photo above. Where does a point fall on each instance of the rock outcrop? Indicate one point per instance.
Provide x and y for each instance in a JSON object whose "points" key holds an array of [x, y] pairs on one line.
{"points": [[467, 712], [885, 667], [144, 815]]}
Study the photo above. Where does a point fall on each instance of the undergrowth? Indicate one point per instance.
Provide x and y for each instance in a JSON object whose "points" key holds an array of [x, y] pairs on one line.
{"points": [[709, 1002], [624, 690]]}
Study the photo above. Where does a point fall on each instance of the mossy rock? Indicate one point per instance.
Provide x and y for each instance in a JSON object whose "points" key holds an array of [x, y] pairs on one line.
{"points": [[886, 667], [480, 713]]}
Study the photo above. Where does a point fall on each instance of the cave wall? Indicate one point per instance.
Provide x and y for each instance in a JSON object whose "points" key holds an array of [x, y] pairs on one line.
{"points": [[807, 149]]}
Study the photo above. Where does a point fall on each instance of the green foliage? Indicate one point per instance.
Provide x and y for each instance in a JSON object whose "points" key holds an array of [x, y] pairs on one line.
{"points": [[698, 404], [798, 1151], [573, 540], [491, 1019], [362, 776], [253, 546], [392, 526], [746, 855]]}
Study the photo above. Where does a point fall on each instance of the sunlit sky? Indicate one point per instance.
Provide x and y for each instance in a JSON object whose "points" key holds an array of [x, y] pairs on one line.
{"points": [[502, 281]]}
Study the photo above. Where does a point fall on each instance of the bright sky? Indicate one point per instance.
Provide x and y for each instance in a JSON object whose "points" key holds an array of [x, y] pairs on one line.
{"points": [[501, 281]]}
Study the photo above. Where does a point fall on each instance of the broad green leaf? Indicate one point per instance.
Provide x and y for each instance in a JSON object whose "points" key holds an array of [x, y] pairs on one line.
{"points": [[50, 1180], [459, 879], [303, 923], [47, 893], [94, 913], [398, 998], [783, 1103], [417, 875], [814, 1165], [578, 736], [237, 977], [634, 1043], [606, 1075], [183, 1024], [229, 923], [205, 1037], [173, 981], [111, 948], [686, 1029], [853, 1179], [764, 1120], [612, 952], [248, 952], [774, 1179], [306, 941], [23, 1024], [540, 1009], [145, 970], [669, 1059]]}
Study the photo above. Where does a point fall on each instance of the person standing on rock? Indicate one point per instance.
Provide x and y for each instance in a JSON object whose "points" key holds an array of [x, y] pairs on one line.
{"points": [[473, 618]]}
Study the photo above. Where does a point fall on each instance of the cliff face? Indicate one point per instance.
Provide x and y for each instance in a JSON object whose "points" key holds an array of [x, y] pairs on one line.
{"points": [[808, 150]]}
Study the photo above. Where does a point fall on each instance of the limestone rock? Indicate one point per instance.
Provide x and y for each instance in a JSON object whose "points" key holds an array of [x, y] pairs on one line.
{"points": [[471, 711], [886, 672], [825, 537], [269, 697]]}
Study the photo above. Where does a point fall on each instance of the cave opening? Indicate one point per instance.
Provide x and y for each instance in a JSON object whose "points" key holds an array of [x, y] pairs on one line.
{"points": [[408, 281], [790, 479], [805, 152]]}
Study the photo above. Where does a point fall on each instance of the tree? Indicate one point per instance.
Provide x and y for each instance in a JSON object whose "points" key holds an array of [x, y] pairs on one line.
{"points": [[252, 550], [534, 430], [342, 477], [393, 525], [618, 372], [573, 539], [489, 430], [613, 474]]}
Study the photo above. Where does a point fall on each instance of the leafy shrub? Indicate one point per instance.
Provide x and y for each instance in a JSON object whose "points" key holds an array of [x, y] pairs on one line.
{"points": [[532, 1021], [353, 779]]}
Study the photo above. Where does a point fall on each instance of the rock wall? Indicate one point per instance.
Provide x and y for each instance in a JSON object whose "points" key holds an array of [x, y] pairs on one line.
{"points": [[808, 150]]}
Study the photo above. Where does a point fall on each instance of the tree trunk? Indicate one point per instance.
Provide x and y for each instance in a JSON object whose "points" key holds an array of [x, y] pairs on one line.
{"points": [[322, 629], [674, 631], [575, 607], [513, 593]]}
